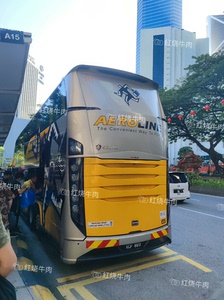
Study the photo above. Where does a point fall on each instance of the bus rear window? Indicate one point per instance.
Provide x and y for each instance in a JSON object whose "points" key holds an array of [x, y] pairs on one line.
{"points": [[177, 177]]}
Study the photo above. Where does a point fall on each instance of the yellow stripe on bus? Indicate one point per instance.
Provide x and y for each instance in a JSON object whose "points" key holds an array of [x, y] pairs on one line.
{"points": [[111, 243], [95, 244], [164, 231], [155, 234]]}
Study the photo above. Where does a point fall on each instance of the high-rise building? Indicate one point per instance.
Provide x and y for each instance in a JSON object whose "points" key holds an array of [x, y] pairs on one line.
{"points": [[27, 102], [166, 52], [164, 49], [27, 106], [155, 14], [215, 33]]}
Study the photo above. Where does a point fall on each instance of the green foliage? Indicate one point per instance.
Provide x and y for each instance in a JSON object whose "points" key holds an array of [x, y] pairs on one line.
{"points": [[1, 155], [212, 183], [202, 88], [192, 177], [183, 151]]}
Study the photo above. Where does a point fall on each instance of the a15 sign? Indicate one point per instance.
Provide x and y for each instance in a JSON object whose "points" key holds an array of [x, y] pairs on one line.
{"points": [[11, 36]]}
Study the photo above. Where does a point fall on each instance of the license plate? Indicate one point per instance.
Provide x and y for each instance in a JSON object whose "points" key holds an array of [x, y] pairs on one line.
{"points": [[133, 246], [178, 192]]}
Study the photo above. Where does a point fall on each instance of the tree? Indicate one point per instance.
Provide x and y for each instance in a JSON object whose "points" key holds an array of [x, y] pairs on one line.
{"points": [[1, 156], [183, 150], [195, 106]]}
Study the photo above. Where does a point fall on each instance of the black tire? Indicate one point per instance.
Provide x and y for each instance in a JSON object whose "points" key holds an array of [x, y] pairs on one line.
{"points": [[181, 201]]}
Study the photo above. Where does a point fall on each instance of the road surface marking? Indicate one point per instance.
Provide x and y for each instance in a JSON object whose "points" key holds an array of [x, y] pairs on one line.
{"points": [[22, 244], [105, 269], [42, 292], [22, 261], [194, 263], [201, 213], [85, 294]]}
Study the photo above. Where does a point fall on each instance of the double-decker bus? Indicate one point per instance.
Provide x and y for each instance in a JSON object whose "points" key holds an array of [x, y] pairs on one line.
{"points": [[99, 145]]}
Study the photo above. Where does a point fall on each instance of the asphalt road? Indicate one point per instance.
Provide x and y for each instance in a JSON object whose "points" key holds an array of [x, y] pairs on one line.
{"points": [[191, 268]]}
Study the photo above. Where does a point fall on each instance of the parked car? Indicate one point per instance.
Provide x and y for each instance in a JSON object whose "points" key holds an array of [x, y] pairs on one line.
{"points": [[179, 186]]}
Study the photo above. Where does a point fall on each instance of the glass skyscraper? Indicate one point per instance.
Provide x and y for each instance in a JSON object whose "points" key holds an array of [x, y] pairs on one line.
{"points": [[155, 14]]}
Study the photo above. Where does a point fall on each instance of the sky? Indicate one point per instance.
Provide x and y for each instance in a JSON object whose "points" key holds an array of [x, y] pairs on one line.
{"points": [[66, 33]]}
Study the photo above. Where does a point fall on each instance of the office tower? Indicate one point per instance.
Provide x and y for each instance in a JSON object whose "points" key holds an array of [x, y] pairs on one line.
{"points": [[166, 52], [155, 14], [27, 106], [164, 49], [27, 102], [215, 33]]}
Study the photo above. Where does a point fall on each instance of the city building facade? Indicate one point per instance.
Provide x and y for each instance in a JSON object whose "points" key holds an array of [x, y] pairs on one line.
{"points": [[156, 14], [215, 33], [164, 50], [27, 106]]}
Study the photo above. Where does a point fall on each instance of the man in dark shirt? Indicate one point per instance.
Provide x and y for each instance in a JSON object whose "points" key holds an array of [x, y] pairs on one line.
{"points": [[15, 209]]}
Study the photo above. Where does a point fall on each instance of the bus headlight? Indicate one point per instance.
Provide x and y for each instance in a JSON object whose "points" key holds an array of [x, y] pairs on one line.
{"points": [[75, 147]]}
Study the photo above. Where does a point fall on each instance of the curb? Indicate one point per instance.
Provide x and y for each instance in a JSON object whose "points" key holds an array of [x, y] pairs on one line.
{"points": [[207, 191], [22, 291]]}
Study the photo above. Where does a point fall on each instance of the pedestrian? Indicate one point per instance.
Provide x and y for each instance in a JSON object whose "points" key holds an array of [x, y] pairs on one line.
{"points": [[8, 262], [15, 208], [8, 257], [5, 205], [6, 199], [7, 176], [32, 184], [6, 185]]}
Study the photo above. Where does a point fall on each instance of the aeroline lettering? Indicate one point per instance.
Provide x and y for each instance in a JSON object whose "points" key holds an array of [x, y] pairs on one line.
{"points": [[130, 122]]}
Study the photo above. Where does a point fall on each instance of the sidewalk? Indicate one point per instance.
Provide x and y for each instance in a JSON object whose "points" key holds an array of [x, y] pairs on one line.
{"points": [[22, 291]]}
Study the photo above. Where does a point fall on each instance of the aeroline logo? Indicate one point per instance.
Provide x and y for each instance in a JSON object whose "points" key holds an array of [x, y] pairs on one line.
{"points": [[127, 93]]}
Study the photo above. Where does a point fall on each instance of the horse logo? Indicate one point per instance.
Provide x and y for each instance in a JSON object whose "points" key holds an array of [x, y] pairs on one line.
{"points": [[127, 93]]}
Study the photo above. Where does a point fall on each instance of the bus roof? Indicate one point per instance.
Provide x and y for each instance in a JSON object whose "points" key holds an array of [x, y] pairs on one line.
{"points": [[115, 72]]}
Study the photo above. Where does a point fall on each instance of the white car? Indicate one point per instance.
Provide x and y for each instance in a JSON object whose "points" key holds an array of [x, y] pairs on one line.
{"points": [[179, 186]]}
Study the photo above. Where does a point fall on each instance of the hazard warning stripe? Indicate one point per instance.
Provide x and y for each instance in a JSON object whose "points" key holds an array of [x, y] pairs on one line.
{"points": [[102, 244], [158, 234]]}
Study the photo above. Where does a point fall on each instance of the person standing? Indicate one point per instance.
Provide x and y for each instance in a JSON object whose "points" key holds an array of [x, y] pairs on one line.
{"points": [[15, 208], [8, 257], [4, 208], [31, 184], [8, 262]]}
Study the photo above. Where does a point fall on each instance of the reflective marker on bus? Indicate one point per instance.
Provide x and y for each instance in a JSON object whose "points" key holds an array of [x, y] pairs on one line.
{"points": [[99, 146]]}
